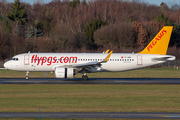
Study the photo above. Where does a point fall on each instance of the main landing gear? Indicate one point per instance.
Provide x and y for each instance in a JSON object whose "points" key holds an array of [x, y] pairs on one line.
{"points": [[27, 75], [85, 77]]}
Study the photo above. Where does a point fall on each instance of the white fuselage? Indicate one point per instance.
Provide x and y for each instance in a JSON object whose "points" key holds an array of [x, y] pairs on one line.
{"points": [[117, 61]]}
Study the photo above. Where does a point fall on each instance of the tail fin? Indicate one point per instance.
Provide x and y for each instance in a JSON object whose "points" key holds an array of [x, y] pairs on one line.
{"points": [[160, 42]]}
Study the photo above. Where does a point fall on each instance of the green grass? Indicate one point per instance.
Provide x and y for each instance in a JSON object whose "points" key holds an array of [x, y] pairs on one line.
{"points": [[89, 98], [140, 73], [92, 98]]}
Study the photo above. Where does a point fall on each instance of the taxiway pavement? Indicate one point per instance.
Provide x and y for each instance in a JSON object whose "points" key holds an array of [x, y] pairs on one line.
{"points": [[137, 115], [90, 81]]}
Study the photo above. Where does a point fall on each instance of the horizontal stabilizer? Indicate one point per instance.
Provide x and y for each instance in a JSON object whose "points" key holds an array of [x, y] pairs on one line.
{"points": [[169, 58]]}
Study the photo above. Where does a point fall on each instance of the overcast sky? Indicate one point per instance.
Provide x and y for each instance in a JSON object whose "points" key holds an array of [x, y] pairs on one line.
{"points": [[156, 2]]}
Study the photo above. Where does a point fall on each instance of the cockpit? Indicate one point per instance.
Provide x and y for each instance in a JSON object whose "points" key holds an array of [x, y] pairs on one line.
{"points": [[12, 64], [14, 59]]}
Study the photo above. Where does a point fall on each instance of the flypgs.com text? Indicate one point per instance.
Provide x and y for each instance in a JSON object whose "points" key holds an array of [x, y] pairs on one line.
{"points": [[154, 41], [49, 60]]}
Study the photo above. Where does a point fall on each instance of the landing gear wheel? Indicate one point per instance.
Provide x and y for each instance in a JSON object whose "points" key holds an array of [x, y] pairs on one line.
{"points": [[27, 77], [85, 77]]}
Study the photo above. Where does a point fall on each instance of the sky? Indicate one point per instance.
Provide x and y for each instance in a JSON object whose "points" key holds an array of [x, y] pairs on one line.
{"points": [[156, 2]]}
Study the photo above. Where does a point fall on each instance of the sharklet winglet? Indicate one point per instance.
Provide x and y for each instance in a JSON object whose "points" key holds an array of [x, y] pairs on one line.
{"points": [[107, 51], [107, 58]]}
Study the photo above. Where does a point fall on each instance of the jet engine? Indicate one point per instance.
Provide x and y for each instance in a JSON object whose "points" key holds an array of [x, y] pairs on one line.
{"points": [[62, 72]]}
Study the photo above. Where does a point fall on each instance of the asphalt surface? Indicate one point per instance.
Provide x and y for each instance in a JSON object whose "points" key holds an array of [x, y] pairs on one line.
{"points": [[91, 115], [90, 81]]}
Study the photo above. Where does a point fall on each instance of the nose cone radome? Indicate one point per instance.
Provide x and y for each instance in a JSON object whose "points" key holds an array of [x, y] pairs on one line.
{"points": [[6, 65]]}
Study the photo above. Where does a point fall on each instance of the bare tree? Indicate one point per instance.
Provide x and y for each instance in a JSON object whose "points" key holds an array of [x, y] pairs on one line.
{"points": [[115, 35]]}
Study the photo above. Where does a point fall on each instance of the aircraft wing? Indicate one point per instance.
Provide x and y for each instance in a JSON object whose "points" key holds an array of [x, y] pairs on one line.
{"points": [[92, 64], [95, 63]]}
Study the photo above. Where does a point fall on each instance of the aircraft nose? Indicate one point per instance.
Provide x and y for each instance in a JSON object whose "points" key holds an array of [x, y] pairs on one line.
{"points": [[6, 65]]}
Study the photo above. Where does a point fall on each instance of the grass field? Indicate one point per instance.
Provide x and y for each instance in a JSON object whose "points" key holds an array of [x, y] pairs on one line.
{"points": [[89, 98], [140, 73]]}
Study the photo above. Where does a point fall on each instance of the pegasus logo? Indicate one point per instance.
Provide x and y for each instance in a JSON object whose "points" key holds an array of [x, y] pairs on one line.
{"points": [[154, 41]]}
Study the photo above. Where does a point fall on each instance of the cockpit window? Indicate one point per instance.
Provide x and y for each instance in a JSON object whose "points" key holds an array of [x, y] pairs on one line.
{"points": [[15, 59]]}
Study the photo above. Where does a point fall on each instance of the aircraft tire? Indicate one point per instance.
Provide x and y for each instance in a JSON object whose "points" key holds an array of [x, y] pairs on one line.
{"points": [[27, 77], [85, 77]]}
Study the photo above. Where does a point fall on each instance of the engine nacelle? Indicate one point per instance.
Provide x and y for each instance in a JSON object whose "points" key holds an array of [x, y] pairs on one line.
{"points": [[62, 72]]}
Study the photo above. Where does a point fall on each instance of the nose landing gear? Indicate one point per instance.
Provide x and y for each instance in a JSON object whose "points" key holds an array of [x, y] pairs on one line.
{"points": [[27, 75]]}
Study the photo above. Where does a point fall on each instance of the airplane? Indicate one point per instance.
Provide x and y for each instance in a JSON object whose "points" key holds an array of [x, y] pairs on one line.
{"points": [[66, 65]]}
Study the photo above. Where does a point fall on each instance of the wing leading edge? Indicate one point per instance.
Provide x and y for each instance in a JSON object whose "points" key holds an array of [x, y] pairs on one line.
{"points": [[92, 64]]}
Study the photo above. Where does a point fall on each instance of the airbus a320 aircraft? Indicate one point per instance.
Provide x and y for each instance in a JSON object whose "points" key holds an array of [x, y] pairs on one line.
{"points": [[66, 65]]}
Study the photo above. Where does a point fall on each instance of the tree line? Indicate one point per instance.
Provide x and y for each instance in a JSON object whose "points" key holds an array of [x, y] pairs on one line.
{"points": [[81, 26]]}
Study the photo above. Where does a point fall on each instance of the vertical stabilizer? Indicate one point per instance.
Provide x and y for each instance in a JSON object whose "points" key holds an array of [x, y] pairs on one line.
{"points": [[160, 42]]}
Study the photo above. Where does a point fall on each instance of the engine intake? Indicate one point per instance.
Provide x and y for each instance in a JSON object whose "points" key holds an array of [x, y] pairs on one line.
{"points": [[62, 72]]}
